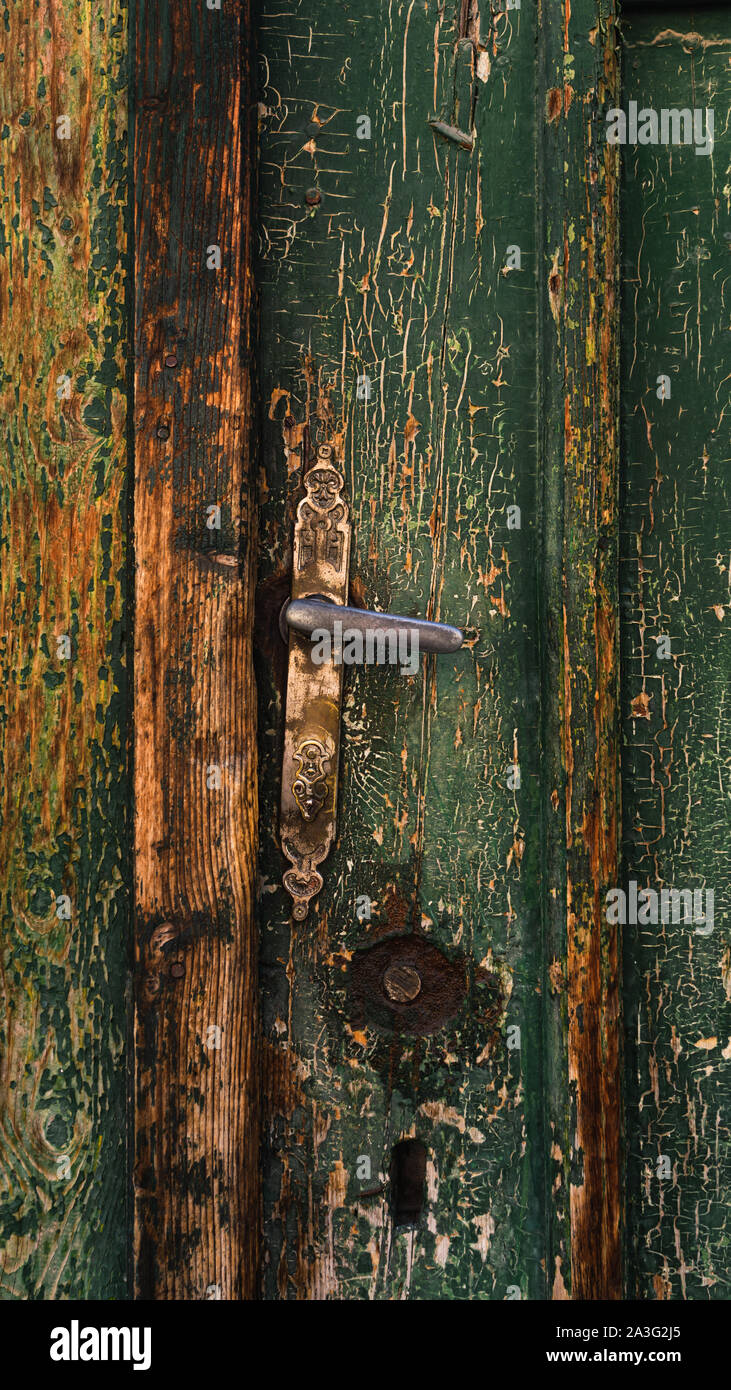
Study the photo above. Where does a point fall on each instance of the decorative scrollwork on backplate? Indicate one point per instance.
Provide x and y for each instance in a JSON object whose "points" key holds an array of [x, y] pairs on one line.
{"points": [[322, 517], [302, 881], [310, 785]]}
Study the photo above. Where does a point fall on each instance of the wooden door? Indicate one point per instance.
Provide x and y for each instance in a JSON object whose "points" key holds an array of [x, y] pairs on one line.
{"points": [[388, 316], [675, 654], [420, 232], [452, 310], [403, 303]]}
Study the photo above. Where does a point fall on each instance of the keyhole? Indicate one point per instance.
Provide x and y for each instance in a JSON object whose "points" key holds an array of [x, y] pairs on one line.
{"points": [[408, 1176]]}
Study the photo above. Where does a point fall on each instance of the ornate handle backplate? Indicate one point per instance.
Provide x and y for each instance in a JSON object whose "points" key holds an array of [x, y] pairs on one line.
{"points": [[314, 691], [314, 688]]}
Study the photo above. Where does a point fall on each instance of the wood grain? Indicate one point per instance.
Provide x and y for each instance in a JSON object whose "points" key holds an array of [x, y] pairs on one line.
{"points": [[196, 1137], [64, 786], [580, 671]]}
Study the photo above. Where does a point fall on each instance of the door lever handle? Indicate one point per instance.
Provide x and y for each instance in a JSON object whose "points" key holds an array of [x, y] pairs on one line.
{"points": [[310, 615], [320, 564]]}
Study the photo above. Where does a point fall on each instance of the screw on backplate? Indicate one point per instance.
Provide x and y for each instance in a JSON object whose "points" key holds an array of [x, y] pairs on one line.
{"points": [[402, 983], [177, 970], [312, 197], [171, 360], [163, 431]]}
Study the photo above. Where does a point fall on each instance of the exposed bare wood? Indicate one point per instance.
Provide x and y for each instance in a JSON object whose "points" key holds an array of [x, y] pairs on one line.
{"points": [[579, 180], [196, 1150]]}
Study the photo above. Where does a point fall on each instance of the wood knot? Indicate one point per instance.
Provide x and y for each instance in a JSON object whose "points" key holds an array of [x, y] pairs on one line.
{"points": [[156, 960]]}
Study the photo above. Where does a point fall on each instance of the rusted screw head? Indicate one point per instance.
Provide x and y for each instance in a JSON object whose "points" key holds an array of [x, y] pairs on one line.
{"points": [[312, 197], [163, 432], [177, 970], [171, 359], [402, 983]]}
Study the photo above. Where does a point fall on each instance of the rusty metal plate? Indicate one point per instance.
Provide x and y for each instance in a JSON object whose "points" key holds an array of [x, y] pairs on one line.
{"points": [[405, 985]]}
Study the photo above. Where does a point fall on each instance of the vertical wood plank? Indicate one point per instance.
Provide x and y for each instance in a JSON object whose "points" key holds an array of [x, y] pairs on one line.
{"points": [[579, 355], [676, 596], [395, 269], [196, 1145], [64, 782]]}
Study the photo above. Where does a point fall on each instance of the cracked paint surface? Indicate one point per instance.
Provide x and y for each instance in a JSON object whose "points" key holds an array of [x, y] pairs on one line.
{"points": [[676, 578], [399, 275]]}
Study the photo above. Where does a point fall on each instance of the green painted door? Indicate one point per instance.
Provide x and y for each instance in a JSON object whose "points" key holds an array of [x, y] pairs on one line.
{"points": [[676, 528], [492, 1062], [394, 313], [476, 290]]}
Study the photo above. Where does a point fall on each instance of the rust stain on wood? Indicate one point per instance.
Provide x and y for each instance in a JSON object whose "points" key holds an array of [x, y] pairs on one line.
{"points": [[581, 202]]}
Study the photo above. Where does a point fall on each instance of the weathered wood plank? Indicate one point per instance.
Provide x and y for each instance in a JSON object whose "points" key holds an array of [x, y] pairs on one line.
{"points": [[580, 651], [196, 1144], [395, 269], [675, 705], [63, 739]]}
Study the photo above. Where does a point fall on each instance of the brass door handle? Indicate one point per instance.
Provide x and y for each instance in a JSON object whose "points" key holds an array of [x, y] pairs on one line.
{"points": [[321, 556], [312, 615]]}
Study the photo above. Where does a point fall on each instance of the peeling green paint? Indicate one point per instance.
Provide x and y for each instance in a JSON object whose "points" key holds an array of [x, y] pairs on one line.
{"points": [[676, 582], [63, 822], [399, 274]]}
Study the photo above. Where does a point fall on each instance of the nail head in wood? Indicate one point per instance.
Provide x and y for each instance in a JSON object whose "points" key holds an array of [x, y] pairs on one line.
{"points": [[451, 133]]}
